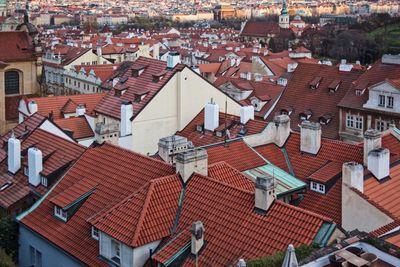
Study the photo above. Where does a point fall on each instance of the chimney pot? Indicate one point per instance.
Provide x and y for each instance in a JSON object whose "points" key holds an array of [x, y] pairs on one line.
{"points": [[310, 137], [173, 59], [211, 116], [372, 140], [14, 154], [191, 161], [80, 110], [379, 162], [353, 175], [35, 165]]}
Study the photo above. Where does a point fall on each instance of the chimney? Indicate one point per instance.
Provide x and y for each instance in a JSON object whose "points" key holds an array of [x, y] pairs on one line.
{"points": [[115, 81], [310, 137], [265, 193], [126, 115], [14, 154], [211, 116], [188, 162], [156, 51], [379, 162], [372, 140], [32, 106], [35, 165], [353, 175], [282, 124], [99, 52], [248, 76], [173, 59], [80, 110], [197, 237], [246, 114], [170, 146]]}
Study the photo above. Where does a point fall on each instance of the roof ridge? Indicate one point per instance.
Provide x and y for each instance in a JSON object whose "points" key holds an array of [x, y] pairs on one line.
{"points": [[222, 183], [143, 214]]}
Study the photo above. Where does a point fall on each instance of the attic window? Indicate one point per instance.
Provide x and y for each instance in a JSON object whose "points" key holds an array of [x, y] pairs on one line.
{"points": [[317, 187], [95, 233], [334, 85], [60, 213], [158, 76], [306, 115], [315, 82], [361, 87], [199, 128], [137, 70]]}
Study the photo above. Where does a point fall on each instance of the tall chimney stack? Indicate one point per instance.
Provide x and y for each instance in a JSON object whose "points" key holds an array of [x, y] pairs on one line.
{"points": [[353, 175], [379, 162], [14, 154], [35, 165], [188, 162], [265, 193], [126, 115], [197, 240], [372, 140], [211, 116], [310, 137], [282, 124]]}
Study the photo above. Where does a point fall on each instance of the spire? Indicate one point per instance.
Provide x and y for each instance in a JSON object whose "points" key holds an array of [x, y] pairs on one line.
{"points": [[284, 8]]}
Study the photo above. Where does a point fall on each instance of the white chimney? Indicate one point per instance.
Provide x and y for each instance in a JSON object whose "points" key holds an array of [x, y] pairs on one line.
{"points": [[197, 237], [126, 115], [14, 154], [248, 76], [99, 51], [246, 114], [35, 165], [189, 162], [310, 137], [241, 263], [353, 175], [211, 116], [282, 124], [32, 106], [379, 162], [80, 110], [265, 193], [372, 140], [173, 59]]}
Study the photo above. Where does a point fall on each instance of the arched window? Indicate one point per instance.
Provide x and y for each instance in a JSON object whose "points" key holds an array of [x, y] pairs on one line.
{"points": [[12, 82]]}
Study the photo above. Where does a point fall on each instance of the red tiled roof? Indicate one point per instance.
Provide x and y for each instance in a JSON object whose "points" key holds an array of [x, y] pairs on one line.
{"points": [[16, 46], [225, 173], [260, 28], [207, 137], [144, 216], [78, 125], [67, 104], [118, 173], [232, 229], [63, 152], [327, 172], [111, 104], [376, 74], [23, 128], [103, 71], [320, 101], [237, 154]]}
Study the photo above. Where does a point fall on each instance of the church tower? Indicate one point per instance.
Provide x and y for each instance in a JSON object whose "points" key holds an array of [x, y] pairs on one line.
{"points": [[284, 17]]}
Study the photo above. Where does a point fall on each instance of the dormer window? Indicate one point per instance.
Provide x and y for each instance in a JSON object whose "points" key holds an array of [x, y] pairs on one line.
{"points": [[315, 82], [317, 187], [60, 213], [115, 251], [333, 87], [390, 101], [95, 233]]}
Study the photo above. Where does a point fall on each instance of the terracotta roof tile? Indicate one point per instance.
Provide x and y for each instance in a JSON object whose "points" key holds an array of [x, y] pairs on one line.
{"points": [[78, 125], [16, 46]]}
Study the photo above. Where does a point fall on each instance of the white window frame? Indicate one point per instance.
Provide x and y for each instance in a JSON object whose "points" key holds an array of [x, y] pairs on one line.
{"points": [[60, 213], [95, 233], [43, 180], [382, 100], [317, 187], [381, 125], [354, 122], [390, 101], [116, 251], [35, 257]]}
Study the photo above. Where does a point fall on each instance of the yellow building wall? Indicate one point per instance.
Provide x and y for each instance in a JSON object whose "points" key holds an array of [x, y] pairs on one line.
{"points": [[181, 99]]}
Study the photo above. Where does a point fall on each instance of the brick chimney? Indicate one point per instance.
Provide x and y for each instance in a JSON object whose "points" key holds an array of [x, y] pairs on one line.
{"points": [[189, 162], [353, 175], [310, 137], [372, 140], [265, 193], [379, 162]]}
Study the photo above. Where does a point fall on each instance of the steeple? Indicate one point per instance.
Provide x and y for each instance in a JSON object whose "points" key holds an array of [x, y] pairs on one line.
{"points": [[284, 17]]}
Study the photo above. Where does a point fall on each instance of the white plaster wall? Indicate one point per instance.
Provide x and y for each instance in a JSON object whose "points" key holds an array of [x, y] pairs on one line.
{"points": [[51, 128]]}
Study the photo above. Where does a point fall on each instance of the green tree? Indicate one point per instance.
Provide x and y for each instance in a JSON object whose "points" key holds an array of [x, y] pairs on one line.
{"points": [[5, 260], [9, 237]]}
